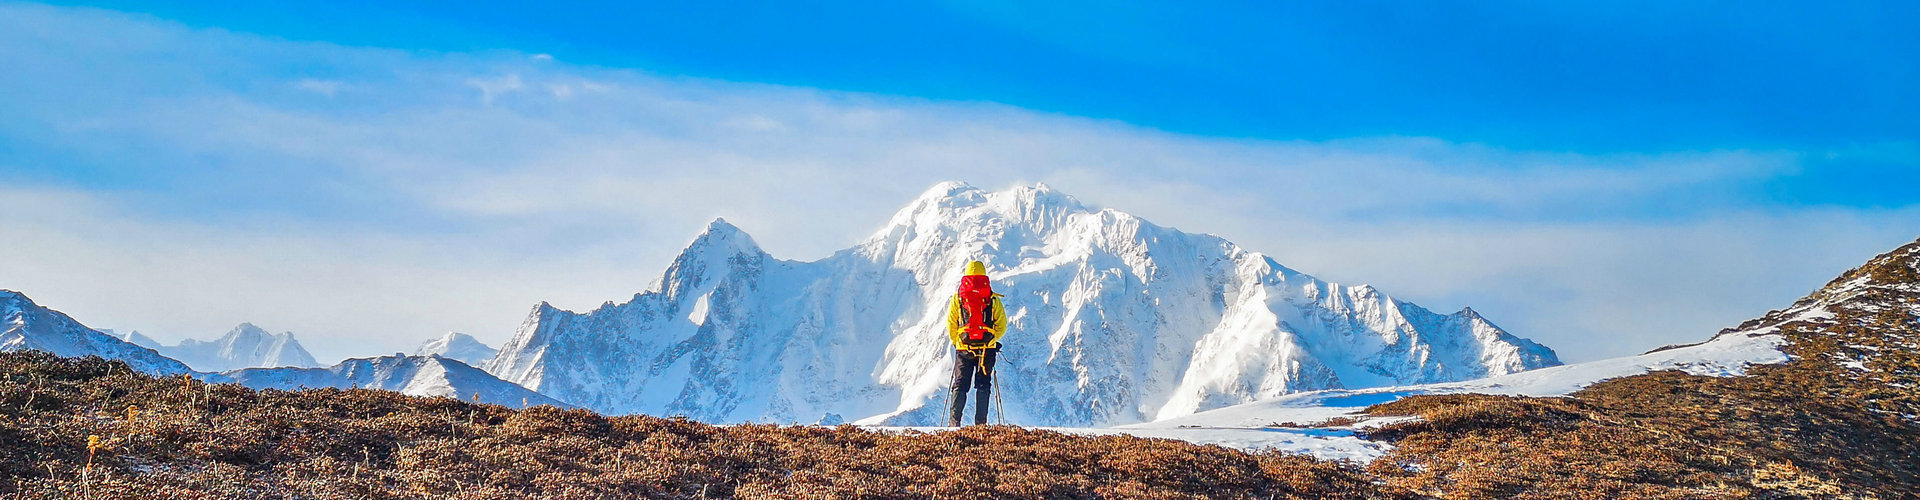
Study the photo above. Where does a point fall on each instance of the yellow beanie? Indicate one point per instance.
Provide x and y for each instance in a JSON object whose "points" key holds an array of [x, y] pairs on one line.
{"points": [[976, 268]]}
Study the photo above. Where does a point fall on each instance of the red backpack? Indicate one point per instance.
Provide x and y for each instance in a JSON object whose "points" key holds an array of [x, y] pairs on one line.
{"points": [[976, 313]]}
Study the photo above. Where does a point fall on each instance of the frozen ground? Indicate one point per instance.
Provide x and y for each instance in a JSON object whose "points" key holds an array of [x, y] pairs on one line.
{"points": [[1293, 423]]}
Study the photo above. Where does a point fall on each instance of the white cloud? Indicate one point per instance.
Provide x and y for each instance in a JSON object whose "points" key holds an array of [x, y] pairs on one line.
{"points": [[323, 87], [344, 293], [410, 209], [495, 87]]}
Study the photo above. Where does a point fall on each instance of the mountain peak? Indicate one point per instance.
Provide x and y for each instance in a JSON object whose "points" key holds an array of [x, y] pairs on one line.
{"points": [[457, 346], [247, 330], [725, 237], [718, 248], [947, 195], [1039, 205], [720, 225], [954, 194], [1041, 191], [948, 189], [245, 346]]}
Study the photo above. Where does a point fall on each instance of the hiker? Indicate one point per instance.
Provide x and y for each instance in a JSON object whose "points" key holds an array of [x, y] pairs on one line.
{"points": [[975, 322]]}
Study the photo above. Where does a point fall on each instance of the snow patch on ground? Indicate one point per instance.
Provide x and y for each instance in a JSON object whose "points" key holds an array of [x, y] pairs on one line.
{"points": [[1296, 423], [1323, 443]]}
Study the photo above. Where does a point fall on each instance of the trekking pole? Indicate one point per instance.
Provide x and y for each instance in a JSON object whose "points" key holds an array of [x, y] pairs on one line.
{"points": [[1002, 404], [946, 408]]}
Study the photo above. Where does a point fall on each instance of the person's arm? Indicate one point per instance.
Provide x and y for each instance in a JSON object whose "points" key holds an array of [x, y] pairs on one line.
{"points": [[954, 326], [999, 318]]}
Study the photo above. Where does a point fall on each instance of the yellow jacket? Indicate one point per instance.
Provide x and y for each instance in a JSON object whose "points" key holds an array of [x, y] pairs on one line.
{"points": [[955, 326]]}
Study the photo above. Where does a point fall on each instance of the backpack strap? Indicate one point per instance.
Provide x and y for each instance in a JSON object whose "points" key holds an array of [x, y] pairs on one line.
{"points": [[986, 310]]}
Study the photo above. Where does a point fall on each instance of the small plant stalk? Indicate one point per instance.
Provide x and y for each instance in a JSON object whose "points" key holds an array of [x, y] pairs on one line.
{"points": [[93, 446]]}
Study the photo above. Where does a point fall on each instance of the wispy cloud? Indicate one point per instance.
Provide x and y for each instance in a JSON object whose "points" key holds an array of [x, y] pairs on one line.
{"points": [[493, 87], [323, 87], [409, 205]]}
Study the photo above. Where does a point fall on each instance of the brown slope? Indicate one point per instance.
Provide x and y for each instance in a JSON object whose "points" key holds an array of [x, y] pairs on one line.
{"points": [[191, 440], [1840, 420]]}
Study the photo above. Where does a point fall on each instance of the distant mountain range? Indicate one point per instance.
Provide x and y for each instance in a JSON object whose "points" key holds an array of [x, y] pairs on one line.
{"points": [[413, 375], [1114, 320], [30, 326], [246, 346]]}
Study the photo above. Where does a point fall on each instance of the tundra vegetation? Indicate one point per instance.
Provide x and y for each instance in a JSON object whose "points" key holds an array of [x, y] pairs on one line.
{"points": [[1840, 420]]}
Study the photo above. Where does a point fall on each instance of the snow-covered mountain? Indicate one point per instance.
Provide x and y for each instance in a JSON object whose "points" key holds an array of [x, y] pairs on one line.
{"points": [[30, 326], [411, 375], [1114, 320], [458, 346], [245, 346]]}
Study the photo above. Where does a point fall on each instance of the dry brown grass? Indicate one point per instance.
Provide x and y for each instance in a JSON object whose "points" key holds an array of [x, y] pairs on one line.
{"points": [[191, 440], [1809, 428], [1814, 427]]}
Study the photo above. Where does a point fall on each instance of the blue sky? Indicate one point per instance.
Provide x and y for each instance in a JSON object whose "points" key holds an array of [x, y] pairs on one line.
{"points": [[1596, 76], [1602, 177]]}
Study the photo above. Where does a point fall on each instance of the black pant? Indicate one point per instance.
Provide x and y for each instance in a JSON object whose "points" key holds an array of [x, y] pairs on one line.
{"points": [[968, 372]]}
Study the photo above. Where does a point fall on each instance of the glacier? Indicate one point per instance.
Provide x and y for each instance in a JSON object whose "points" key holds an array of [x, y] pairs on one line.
{"points": [[1113, 320]]}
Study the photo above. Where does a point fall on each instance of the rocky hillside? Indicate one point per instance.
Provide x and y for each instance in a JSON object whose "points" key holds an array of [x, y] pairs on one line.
{"points": [[1840, 419]]}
